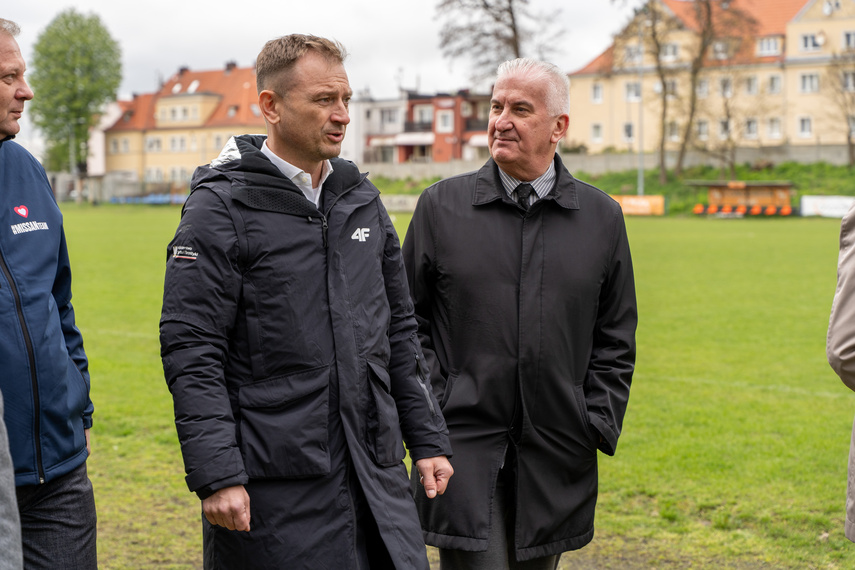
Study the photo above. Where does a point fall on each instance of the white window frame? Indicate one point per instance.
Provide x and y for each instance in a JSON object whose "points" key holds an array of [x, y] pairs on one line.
{"points": [[751, 130], [673, 131], [773, 128], [751, 85], [774, 84], [770, 45], [596, 132], [632, 91], [805, 126], [849, 40], [597, 92], [445, 121], [669, 52], [810, 43], [725, 87], [809, 83], [633, 54], [847, 81], [703, 129], [720, 50], [703, 88]]}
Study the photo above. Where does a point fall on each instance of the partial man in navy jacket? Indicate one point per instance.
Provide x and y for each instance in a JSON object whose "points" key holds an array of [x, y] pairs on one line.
{"points": [[45, 378]]}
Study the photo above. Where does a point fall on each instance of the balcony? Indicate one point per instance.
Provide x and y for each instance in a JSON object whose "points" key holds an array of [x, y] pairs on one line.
{"points": [[476, 125], [414, 127]]}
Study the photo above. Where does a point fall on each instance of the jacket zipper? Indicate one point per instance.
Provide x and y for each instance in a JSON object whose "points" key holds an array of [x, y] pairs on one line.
{"points": [[324, 227], [31, 356], [423, 383]]}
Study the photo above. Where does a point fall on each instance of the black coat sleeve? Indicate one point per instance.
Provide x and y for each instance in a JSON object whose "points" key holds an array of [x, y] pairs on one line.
{"points": [[200, 302], [422, 423], [612, 361]]}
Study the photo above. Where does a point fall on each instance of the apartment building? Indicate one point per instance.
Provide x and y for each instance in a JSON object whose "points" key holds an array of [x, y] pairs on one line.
{"points": [[162, 137], [775, 72]]}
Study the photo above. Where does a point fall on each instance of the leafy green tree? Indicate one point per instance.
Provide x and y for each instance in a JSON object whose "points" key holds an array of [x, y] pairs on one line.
{"points": [[76, 70]]}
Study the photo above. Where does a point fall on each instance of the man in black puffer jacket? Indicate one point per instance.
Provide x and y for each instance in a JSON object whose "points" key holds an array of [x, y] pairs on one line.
{"points": [[289, 342]]}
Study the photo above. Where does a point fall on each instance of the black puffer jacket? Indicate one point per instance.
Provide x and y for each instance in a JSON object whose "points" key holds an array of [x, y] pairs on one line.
{"points": [[289, 344]]}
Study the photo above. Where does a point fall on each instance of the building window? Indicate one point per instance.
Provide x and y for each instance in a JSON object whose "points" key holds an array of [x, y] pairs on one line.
{"points": [[703, 130], [628, 134], [848, 80], [670, 88], [114, 146], [232, 111], [773, 128], [720, 50], [724, 128], [768, 46], [466, 109], [703, 88], [750, 128], [851, 125], [810, 82], [152, 144], [849, 40], [388, 116], [597, 93], [126, 146], [255, 110], [725, 87], [177, 144], [597, 132], [673, 131], [805, 127], [811, 42], [423, 113], [218, 142], [751, 85], [669, 52], [633, 91], [774, 84], [632, 54], [445, 121]]}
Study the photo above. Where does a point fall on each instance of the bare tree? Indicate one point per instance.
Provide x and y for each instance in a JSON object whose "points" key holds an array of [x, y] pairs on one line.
{"points": [[840, 78], [488, 32]]}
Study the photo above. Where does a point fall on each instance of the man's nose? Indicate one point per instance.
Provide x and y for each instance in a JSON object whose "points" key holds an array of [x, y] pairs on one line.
{"points": [[24, 92], [341, 114]]}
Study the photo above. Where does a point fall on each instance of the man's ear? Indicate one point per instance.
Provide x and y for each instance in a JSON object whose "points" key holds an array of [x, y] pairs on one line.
{"points": [[268, 102], [562, 122]]}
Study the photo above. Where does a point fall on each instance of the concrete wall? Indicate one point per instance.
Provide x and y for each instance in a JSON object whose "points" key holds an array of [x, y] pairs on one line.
{"points": [[601, 163]]}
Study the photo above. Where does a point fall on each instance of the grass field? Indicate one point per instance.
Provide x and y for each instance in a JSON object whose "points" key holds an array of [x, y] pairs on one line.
{"points": [[734, 446]]}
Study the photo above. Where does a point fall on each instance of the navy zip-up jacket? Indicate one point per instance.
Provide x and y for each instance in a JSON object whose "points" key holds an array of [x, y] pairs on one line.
{"points": [[44, 377]]}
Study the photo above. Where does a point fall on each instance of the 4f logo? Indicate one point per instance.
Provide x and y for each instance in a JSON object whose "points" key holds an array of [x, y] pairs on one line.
{"points": [[360, 234]]}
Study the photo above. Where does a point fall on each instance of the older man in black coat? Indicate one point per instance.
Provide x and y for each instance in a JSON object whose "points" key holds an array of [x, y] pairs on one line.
{"points": [[523, 288]]}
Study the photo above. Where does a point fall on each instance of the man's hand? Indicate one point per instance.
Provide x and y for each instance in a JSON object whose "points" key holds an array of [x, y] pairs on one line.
{"points": [[435, 473], [88, 442], [228, 507]]}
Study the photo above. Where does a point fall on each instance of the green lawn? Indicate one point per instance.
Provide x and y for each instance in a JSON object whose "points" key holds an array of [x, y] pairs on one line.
{"points": [[734, 446]]}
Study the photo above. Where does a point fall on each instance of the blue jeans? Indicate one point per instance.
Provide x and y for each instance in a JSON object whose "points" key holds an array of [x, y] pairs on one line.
{"points": [[58, 523]]}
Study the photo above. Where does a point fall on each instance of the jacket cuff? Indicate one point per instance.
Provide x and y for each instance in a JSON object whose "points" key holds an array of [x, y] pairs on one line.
{"points": [[609, 438], [224, 470], [442, 447]]}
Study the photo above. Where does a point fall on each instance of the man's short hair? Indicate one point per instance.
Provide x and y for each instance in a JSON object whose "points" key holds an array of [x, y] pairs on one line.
{"points": [[558, 84], [278, 56], [9, 27]]}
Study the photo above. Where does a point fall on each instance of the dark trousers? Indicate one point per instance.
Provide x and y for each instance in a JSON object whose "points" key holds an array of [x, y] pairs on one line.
{"points": [[500, 543], [58, 523]]}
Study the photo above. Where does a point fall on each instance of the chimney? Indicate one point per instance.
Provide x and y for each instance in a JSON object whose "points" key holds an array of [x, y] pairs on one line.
{"points": [[182, 70], [230, 65]]}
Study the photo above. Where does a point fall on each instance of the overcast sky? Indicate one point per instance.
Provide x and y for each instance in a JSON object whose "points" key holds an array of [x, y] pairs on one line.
{"points": [[392, 43]]}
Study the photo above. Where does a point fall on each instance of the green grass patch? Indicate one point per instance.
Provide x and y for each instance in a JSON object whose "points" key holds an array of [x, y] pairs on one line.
{"points": [[734, 445]]}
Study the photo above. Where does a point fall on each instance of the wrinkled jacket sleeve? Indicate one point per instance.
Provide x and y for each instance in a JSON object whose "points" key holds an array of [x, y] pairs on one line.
{"points": [[422, 422], [73, 339], [200, 300], [840, 343], [612, 359]]}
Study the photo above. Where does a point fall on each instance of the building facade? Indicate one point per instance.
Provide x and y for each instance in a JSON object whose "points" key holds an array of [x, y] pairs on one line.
{"points": [[774, 72]]}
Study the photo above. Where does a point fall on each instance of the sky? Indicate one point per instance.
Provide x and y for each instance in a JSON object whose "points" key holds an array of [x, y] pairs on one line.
{"points": [[392, 43]]}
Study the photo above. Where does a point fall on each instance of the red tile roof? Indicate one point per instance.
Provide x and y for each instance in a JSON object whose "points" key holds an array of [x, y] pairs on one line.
{"points": [[770, 16], [235, 86]]}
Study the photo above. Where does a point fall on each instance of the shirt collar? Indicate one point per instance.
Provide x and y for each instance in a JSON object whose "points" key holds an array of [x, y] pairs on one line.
{"points": [[300, 178], [542, 184]]}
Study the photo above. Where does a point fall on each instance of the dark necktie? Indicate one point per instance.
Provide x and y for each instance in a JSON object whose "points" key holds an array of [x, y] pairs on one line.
{"points": [[524, 191]]}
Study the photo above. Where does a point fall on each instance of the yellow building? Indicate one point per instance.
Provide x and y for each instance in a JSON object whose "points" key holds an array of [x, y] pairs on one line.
{"points": [[162, 137], [775, 72]]}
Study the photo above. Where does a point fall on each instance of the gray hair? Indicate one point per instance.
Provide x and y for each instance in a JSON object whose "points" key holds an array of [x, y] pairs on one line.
{"points": [[557, 82], [9, 27]]}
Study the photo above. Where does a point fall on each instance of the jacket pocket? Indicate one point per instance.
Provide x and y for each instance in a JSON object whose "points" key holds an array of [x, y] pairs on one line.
{"points": [[283, 425], [385, 441], [584, 418]]}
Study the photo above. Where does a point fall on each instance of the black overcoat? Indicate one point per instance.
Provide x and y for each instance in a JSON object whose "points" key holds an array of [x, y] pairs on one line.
{"points": [[291, 351], [533, 311]]}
